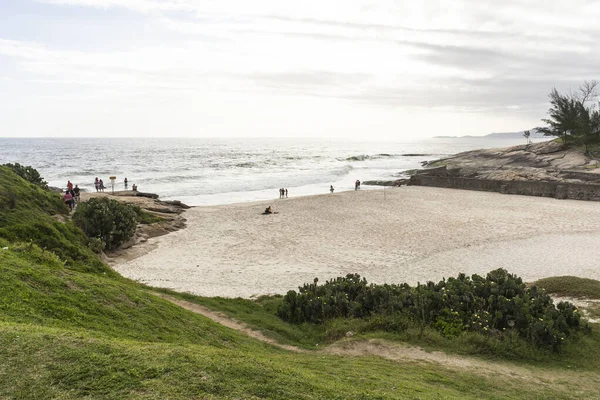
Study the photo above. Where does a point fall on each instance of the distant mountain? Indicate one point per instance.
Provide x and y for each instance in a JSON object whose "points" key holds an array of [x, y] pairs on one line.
{"points": [[510, 135], [499, 135]]}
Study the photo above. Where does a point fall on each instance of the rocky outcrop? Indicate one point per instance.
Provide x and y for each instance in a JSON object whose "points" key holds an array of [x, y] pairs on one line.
{"points": [[171, 219], [544, 169], [546, 161], [395, 182]]}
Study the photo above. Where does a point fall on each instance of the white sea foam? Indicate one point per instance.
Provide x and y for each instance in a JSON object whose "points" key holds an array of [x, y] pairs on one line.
{"points": [[218, 171]]}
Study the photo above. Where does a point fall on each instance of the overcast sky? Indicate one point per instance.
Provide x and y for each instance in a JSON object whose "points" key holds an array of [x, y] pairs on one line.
{"points": [[365, 69]]}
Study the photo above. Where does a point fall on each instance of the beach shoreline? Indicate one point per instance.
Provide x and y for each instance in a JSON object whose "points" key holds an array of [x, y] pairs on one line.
{"points": [[406, 234]]}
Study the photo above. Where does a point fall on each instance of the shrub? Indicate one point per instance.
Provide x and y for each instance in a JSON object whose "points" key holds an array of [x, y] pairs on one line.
{"points": [[108, 220], [28, 173], [498, 304], [96, 244]]}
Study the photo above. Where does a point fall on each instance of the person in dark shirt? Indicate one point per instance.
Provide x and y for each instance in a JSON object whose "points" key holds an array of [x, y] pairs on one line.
{"points": [[76, 192]]}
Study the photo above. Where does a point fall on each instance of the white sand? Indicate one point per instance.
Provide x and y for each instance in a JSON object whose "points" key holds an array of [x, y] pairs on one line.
{"points": [[415, 234]]}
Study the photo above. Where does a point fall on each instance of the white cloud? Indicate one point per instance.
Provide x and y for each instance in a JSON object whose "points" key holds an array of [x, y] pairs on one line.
{"points": [[485, 60]]}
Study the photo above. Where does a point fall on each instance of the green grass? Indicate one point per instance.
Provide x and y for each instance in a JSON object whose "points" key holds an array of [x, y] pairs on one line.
{"points": [[51, 363], [71, 328], [145, 217], [580, 353], [571, 286], [31, 214], [71, 334]]}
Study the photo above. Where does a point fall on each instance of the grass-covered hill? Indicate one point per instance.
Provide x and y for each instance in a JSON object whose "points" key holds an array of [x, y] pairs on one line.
{"points": [[71, 328]]}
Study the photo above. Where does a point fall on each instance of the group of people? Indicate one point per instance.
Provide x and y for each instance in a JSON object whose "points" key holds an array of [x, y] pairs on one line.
{"points": [[283, 193], [71, 196], [133, 187], [99, 185]]}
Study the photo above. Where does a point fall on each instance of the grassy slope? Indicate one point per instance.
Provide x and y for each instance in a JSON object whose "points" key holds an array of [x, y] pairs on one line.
{"points": [[581, 354], [72, 334], [30, 220], [70, 328], [571, 286]]}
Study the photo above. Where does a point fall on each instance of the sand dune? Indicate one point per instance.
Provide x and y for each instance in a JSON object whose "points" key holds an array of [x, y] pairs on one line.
{"points": [[413, 234]]}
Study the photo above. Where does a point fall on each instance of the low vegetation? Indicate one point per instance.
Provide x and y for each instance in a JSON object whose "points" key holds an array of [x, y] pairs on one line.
{"points": [[108, 221], [571, 286], [71, 328], [498, 304], [28, 173], [35, 216]]}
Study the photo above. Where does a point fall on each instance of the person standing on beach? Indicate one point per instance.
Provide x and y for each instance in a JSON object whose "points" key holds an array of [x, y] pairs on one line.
{"points": [[125, 182], [286, 193], [101, 185], [97, 184], [331, 189]]}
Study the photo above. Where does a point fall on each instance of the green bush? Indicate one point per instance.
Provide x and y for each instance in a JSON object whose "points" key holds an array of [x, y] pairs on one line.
{"points": [[498, 304], [108, 220], [28, 173]]}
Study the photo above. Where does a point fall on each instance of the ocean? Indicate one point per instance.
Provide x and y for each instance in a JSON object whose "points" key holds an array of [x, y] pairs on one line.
{"points": [[222, 171]]}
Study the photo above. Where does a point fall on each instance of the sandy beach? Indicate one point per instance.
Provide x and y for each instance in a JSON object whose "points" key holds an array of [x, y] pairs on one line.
{"points": [[412, 234]]}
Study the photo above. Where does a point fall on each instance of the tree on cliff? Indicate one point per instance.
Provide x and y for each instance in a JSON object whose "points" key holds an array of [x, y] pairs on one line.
{"points": [[575, 117]]}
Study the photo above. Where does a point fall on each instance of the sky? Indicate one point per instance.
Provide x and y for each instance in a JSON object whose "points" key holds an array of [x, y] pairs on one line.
{"points": [[355, 69]]}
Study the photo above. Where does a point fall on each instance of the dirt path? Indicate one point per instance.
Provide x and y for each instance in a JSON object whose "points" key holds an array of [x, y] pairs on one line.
{"points": [[224, 320], [399, 352]]}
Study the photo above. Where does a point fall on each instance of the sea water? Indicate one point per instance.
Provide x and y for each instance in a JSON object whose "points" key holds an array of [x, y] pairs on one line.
{"points": [[221, 171]]}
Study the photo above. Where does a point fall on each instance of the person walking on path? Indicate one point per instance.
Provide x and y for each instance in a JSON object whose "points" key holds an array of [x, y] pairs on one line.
{"points": [[101, 185], [68, 198], [76, 191]]}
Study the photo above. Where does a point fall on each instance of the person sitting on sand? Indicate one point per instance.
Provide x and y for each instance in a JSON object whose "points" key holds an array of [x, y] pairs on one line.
{"points": [[134, 187], [269, 210]]}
